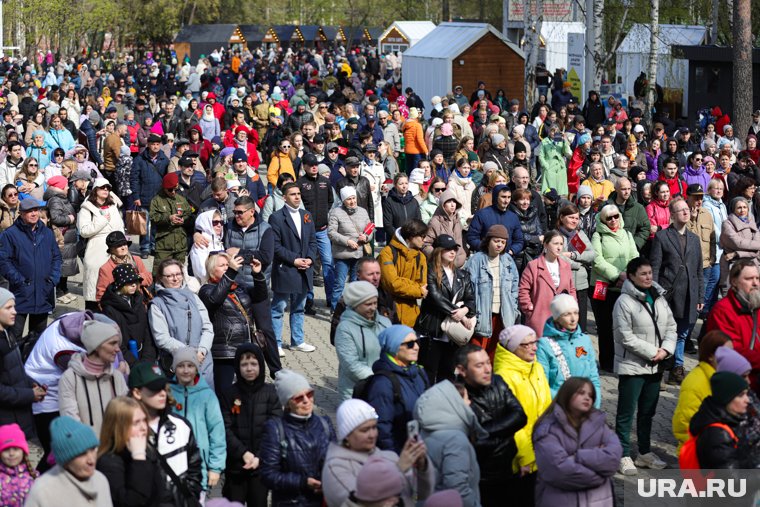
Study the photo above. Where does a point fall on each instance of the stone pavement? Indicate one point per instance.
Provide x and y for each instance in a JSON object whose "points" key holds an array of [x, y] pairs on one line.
{"points": [[321, 369]]}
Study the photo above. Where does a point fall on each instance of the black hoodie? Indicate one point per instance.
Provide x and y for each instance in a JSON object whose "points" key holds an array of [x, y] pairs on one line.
{"points": [[246, 406]]}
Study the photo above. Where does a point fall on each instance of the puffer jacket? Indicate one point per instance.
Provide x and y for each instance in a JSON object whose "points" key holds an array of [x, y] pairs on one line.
{"points": [[198, 254], [317, 197], [613, 252], [694, 389], [130, 313], [147, 176], [16, 391], [357, 347], [231, 327], [398, 210], [579, 354], [532, 228], [7, 215], [437, 305], [199, 405], [85, 396], [428, 207], [442, 223], [529, 384], [414, 138], [739, 238], [463, 188], [482, 283], [343, 227], [63, 216], [575, 466], [402, 276], [715, 447], [95, 225], [446, 425], [259, 238], [499, 412], [284, 470], [246, 407], [392, 415], [175, 441], [633, 329], [659, 215]]}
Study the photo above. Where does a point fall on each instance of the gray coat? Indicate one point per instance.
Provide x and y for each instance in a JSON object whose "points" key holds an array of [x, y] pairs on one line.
{"points": [[680, 274], [633, 329], [342, 227], [580, 263]]}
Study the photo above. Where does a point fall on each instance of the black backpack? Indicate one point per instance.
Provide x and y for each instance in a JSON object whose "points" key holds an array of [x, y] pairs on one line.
{"points": [[361, 388]]}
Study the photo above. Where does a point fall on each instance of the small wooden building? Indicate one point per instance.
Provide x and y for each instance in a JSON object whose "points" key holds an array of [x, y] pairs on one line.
{"points": [[196, 40], [308, 35], [463, 54], [402, 35]]}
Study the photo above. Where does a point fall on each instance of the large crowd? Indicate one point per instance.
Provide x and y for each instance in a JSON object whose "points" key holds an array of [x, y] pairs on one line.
{"points": [[460, 244]]}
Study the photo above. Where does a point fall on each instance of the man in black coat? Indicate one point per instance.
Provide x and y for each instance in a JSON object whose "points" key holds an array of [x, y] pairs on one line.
{"points": [[295, 248], [360, 183], [499, 413], [676, 257]]}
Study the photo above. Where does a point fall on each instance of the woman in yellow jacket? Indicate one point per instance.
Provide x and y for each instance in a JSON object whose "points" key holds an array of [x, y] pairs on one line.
{"points": [[403, 270], [515, 361], [281, 163], [696, 386]]}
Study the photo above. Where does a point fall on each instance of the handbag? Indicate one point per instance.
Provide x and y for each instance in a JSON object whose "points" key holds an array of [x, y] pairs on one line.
{"points": [[137, 222], [456, 331]]}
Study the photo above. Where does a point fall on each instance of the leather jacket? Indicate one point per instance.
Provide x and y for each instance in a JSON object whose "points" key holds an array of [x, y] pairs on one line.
{"points": [[437, 304]]}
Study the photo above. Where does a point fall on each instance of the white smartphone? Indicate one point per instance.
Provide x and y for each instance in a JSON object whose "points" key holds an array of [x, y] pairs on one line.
{"points": [[413, 430]]}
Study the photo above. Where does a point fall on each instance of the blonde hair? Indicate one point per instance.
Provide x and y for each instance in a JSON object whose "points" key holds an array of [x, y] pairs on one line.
{"points": [[117, 424], [212, 260]]}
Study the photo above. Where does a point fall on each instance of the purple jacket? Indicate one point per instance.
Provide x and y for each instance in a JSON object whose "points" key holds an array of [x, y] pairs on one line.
{"points": [[575, 469], [691, 176], [653, 173]]}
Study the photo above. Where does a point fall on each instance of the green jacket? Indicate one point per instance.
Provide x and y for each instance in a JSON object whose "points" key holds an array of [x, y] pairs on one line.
{"points": [[613, 252], [635, 219], [170, 237]]}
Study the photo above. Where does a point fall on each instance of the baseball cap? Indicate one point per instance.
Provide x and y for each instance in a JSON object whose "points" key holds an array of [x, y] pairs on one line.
{"points": [[310, 159], [695, 189], [148, 375]]}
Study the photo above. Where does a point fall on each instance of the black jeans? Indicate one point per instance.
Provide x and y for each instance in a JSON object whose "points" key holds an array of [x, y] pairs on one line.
{"points": [[438, 359], [582, 296], [37, 323], [249, 491], [262, 317], [224, 374], [603, 317], [42, 425]]}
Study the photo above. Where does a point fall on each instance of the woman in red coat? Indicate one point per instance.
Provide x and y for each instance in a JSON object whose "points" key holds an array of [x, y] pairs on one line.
{"points": [[246, 139], [583, 147], [542, 279]]}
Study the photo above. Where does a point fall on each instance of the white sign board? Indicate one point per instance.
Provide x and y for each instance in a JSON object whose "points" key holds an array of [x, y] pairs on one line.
{"points": [[576, 60]]}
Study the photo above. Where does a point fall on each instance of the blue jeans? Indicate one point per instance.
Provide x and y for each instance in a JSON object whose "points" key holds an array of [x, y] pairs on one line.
{"points": [[297, 302], [328, 271], [343, 268], [412, 161], [148, 242], [712, 276], [683, 329]]}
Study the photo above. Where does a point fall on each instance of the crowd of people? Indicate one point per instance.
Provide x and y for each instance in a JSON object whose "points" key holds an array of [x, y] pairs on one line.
{"points": [[459, 244]]}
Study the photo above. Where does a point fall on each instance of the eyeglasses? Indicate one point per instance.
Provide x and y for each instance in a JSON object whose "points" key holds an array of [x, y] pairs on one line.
{"points": [[173, 275], [238, 212], [613, 217], [438, 190], [528, 345], [217, 222], [411, 344], [303, 397]]}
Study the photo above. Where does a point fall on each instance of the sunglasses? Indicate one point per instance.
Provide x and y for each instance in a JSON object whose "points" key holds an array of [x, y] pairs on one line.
{"points": [[238, 212], [217, 222], [14, 194], [613, 217], [333, 151], [438, 190], [58, 155], [285, 146], [411, 344], [303, 397], [33, 165]]}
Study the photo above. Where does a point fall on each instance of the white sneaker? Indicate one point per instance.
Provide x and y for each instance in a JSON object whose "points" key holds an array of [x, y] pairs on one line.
{"points": [[627, 467], [650, 460], [281, 351], [304, 347]]}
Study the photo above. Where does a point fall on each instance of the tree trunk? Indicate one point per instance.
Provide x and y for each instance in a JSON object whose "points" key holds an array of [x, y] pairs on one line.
{"points": [[654, 45], [742, 66], [598, 42], [445, 12], [714, 21], [532, 23]]}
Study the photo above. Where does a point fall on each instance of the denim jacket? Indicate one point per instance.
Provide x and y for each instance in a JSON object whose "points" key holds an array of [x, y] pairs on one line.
{"points": [[482, 283]]}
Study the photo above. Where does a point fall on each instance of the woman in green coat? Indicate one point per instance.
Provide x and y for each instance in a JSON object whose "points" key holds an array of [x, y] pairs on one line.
{"points": [[552, 155]]}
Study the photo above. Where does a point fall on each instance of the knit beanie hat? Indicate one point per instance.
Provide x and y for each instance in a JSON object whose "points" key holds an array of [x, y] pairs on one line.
{"points": [[496, 231], [585, 190], [352, 414], [12, 436], [490, 166], [497, 139], [95, 333], [124, 274], [391, 338], [726, 386], [584, 138], [347, 192], [171, 180], [519, 147], [445, 498], [183, 354], [378, 480], [58, 182], [358, 292], [289, 383], [511, 337], [70, 438], [561, 304], [5, 296], [731, 361]]}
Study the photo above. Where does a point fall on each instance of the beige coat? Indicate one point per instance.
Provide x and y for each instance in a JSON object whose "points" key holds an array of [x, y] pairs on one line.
{"points": [[58, 487], [94, 225], [441, 223]]}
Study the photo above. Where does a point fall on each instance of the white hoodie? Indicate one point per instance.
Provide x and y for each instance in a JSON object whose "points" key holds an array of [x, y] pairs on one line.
{"points": [[198, 255]]}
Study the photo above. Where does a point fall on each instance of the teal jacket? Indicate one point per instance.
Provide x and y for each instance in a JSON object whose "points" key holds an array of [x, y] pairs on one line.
{"points": [[199, 405], [579, 353], [357, 347]]}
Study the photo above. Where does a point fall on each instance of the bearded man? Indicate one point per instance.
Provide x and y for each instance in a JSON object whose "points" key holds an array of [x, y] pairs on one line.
{"points": [[736, 314]]}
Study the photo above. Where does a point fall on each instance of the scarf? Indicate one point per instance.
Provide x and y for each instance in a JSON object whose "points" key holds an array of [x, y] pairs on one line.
{"points": [[350, 211], [182, 314], [93, 367]]}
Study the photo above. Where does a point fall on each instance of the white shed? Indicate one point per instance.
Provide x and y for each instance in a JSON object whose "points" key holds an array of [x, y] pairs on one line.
{"points": [[553, 50], [463, 54], [632, 56], [402, 35]]}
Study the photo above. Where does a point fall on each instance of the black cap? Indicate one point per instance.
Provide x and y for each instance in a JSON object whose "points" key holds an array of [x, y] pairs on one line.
{"points": [[185, 162], [695, 189], [111, 109], [319, 139], [369, 147], [353, 121], [445, 241], [371, 117], [154, 138], [310, 159], [352, 162], [181, 142], [572, 100], [684, 130], [116, 238], [552, 195]]}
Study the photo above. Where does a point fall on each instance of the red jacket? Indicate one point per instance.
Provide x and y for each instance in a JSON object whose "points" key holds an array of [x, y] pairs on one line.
{"points": [[728, 316], [575, 164], [676, 185]]}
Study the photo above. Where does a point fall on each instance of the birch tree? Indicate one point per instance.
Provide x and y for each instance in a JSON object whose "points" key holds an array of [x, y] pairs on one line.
{"points": [[742, 30]]}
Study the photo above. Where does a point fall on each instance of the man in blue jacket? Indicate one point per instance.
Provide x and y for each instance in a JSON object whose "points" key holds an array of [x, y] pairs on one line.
{"points": [[148, 171], [295, 248], [497, 213], [31, 262]]}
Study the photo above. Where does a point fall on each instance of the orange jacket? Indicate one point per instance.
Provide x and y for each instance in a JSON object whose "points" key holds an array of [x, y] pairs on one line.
{"points": [[414, 138]]}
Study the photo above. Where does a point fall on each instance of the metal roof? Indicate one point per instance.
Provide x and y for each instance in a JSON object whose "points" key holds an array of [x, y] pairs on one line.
{"points": [[206, 33], [253, 33], [309, 32], [450, 40], [284, 32], [331, 32], [412, 30], [638, 38]]}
